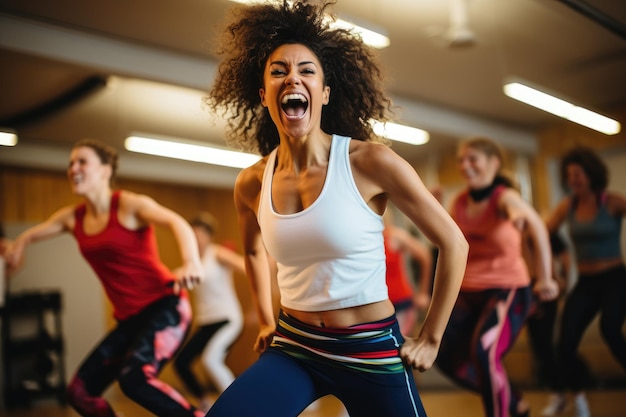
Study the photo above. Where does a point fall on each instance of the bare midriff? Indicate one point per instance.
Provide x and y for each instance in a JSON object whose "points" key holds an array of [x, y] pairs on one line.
{"points": [[345, 317]]}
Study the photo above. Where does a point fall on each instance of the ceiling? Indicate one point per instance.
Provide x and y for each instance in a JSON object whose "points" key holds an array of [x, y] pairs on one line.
{"points": [[73, 69]]}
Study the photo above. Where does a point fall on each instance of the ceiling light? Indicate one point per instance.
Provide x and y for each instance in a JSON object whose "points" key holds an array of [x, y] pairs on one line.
{"points": [[370, 37], [562, 108], [190, 152], [8, 139], [400, 133], [374, 39]]}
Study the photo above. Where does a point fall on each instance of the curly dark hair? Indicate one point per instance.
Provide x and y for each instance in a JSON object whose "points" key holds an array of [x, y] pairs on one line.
{"points": [[350, 69], [593, 166]]}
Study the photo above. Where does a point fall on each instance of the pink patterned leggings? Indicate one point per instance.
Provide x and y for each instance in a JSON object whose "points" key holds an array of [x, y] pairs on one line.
{"points": [[133, 353]]}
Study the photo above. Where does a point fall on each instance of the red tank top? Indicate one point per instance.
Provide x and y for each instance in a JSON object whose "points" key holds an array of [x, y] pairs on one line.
{"points": [[495, 247], [126, 262], [397, 280]]}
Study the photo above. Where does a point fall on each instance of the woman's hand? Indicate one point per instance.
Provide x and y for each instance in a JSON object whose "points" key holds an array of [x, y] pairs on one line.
{"points": [[264, 338], [188, 275], [14, 256], [418, 354], [547, 290]]}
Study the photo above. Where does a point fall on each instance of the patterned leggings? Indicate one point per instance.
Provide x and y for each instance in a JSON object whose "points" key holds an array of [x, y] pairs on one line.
{"points": [[133, 353], [483, 327], [359, 365]]}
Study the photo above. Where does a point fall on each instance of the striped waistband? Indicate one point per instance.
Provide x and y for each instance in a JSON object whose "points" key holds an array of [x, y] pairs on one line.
{"points": [[369, 347]]}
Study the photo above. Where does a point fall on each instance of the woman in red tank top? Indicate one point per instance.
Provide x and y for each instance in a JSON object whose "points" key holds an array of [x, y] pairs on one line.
{"points": [[114, 230]]}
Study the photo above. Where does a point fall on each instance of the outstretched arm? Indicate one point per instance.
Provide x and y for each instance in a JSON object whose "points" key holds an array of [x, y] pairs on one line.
{"points": [[59, 222]]}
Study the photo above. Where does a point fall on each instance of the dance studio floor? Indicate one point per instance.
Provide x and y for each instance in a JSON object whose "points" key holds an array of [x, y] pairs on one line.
{"points": [[439, 403]]}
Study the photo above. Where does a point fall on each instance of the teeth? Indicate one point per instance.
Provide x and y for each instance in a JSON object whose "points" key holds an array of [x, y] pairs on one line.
{"points": [[288, 97]]}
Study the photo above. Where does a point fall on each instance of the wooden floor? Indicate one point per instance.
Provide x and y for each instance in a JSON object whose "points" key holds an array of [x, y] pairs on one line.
{"points": [[447, 403]]}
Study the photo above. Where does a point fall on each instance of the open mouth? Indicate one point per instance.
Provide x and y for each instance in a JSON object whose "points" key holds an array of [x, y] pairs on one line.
{"points": [[294, 105]]}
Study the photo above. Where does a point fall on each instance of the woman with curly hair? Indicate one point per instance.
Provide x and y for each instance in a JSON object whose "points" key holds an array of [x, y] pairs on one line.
{"points": [[593, 217], [303, 95]]}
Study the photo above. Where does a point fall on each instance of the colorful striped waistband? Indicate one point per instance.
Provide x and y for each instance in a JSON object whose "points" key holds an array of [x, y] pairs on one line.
{"points": [[369, 347]]}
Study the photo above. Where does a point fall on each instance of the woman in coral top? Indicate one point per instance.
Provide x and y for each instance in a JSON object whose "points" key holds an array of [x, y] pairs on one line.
{"points": [[115, 234], [496, 295]]}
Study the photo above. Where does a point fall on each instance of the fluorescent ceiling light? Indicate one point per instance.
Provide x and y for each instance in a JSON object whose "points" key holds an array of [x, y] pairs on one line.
{"points": [[562, 108], [190, 152], [8, 139], [400, 133], [370, 37]]}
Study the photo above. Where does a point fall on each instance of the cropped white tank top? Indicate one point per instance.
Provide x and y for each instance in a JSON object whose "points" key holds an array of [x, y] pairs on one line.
{"points": [[330, 255]]}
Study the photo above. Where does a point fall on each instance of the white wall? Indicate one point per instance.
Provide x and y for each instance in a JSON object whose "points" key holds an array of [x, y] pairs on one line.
{"points": [[57, 264]]}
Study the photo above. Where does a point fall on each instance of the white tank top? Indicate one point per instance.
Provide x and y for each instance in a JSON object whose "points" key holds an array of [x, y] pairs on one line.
{"points": [[215, 299], [330, 255]]}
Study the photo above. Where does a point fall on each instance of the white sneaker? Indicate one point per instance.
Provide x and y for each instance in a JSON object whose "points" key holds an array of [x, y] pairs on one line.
{"points": [[556, 405], [581, 406]]}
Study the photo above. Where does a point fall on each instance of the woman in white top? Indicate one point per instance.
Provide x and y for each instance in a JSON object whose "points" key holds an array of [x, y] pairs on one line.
{"points": [[303, 94], [217, 313]]}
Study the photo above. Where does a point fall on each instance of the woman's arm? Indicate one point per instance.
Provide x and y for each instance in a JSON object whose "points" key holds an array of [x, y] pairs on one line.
{"points": [[522, 213], [257, 264], [616, 204], [401, 184], [557, 217], [230, 258], [148, 211], [60, 221]]}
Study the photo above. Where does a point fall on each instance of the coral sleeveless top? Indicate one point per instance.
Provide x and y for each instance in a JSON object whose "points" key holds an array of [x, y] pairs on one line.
{"points": [[495, 247]]}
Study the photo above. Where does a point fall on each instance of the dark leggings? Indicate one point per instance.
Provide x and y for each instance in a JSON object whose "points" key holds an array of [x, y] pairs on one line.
{"points": [[133, 353], [193, 349], [483, 327], [603, 293], [541, 335]]}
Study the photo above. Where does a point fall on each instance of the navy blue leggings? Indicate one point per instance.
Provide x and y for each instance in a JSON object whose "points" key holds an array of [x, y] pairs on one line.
{"points": [[360, 366], [134, 353]]}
